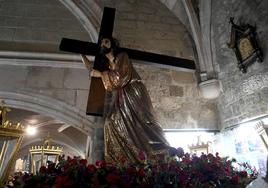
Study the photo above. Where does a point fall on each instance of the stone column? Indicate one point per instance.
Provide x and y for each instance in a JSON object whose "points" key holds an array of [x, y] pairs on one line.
{"points": [[97, 152]]}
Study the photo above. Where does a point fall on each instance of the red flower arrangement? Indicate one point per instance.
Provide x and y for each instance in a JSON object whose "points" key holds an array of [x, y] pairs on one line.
{"points": [[175, 170]]}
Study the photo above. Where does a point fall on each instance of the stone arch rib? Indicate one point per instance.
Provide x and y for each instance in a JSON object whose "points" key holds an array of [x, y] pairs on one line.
{"points": [[50, 107], [88, 13]]}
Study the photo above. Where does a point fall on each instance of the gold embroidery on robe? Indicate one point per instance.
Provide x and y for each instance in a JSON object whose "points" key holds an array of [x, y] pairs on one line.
{"points": [[130, 125]]}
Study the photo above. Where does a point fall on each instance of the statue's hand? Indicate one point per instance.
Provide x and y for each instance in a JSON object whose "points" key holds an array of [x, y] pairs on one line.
{"points": [[96, 73]]}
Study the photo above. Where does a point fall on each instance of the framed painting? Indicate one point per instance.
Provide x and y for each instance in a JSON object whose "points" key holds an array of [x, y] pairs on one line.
{"points": [[244, 43]]}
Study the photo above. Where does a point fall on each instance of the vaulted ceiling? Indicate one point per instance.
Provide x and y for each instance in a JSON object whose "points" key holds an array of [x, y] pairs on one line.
{"points": [[31, 30]]}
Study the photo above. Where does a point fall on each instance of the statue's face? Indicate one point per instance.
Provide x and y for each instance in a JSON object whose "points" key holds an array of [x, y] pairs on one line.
{"points": [[106, 46], [105, 43]]}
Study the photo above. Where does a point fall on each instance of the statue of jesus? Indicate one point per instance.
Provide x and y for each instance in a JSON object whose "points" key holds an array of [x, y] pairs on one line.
{"points": [[130, 125]]}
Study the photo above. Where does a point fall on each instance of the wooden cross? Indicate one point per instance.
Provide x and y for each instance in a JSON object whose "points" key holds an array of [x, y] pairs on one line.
{"points": [[96, 96]]}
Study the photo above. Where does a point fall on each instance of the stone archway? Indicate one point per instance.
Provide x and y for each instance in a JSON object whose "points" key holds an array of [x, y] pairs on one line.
{"points": [[49, 106], [65, 145]]}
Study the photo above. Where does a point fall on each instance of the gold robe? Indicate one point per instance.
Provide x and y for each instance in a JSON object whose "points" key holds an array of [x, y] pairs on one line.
{"points": [[130, 126]]}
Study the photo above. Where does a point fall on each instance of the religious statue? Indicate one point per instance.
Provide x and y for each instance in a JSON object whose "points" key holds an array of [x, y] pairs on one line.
{"points": [[130, 125]]}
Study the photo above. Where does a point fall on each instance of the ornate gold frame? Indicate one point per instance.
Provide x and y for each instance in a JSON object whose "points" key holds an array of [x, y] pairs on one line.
{"points": [[200, 148], [244, 42], [45, 150], [13, 131]]}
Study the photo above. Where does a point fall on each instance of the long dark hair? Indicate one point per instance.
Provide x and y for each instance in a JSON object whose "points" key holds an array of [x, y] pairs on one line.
{"points": [[104, 62], [114, 44]]}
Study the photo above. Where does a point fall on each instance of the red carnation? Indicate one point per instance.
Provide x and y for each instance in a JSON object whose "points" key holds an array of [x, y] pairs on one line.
{"points": [[141, 155], [58, 181], [228, 170], [112, 178], [141, 173], [72, 162], [183, 177], [243, 174], [95, 182], [83, 162], [63, 181], [207, 167], [235, 180], [186, 161], [131, 170], [91, 168]]}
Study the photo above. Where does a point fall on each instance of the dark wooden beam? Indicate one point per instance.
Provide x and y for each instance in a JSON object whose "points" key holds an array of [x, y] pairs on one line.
{"points": [[80, 47], [89, 48]]}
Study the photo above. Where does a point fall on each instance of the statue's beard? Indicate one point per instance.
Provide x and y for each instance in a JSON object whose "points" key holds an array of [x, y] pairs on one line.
{"points": [[105, 50]]}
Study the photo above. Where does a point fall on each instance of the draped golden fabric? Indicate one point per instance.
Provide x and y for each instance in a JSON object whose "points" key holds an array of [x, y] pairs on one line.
{"points": [[130, 125]]}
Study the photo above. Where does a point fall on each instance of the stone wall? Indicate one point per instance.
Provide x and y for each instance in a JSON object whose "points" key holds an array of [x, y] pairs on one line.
{"points": [[244, 96], [141, 25], [31, 25], [174, 94], [152, 27], [176, 99], [63, 84]]}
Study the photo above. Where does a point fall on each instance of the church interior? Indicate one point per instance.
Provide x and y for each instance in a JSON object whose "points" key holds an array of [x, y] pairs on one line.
{"points": [[219, 106]]}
